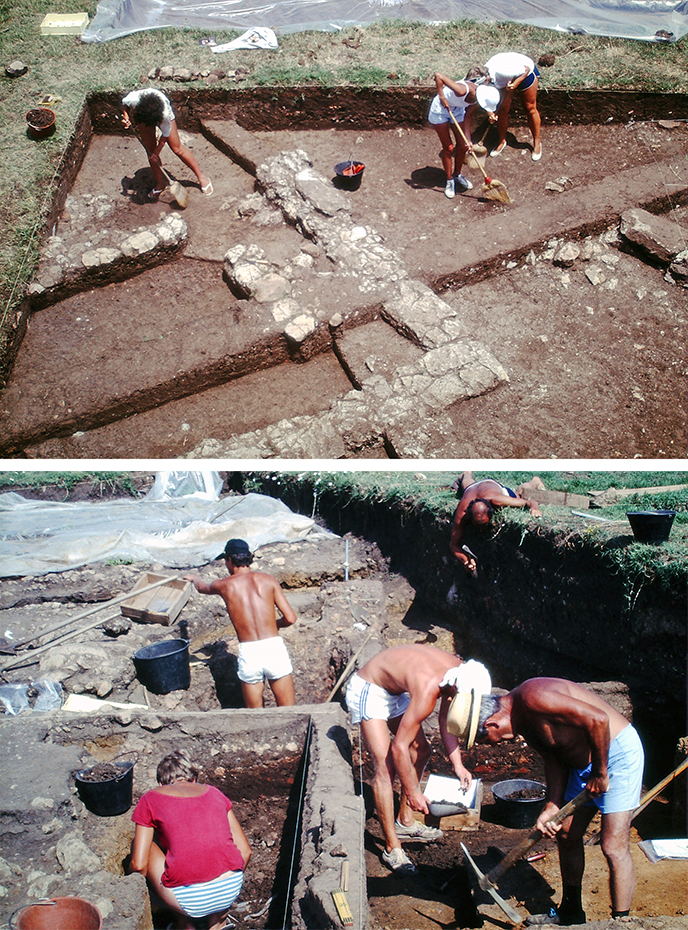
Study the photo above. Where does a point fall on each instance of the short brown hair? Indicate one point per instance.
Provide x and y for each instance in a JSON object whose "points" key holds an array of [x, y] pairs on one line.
{"points": [[176, 766]]}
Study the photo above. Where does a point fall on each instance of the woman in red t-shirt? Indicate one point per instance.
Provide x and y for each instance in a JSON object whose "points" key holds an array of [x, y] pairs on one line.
{"points": [[189, 845]]}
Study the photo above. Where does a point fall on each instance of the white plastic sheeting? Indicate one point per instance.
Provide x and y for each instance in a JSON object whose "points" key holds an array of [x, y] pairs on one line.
{"points": [[37, 537], [631, 19]]}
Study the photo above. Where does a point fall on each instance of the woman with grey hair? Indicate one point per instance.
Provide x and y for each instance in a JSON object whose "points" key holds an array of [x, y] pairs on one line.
{"points": [[189, 845]]}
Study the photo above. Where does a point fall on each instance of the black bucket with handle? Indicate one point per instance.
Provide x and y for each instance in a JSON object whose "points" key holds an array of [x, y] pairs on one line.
{"points": [[349, 174], [164, 667], [107, 788]]}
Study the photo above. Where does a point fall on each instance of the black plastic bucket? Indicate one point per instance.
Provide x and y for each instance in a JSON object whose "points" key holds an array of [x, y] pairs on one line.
{"points": [[110, 796], [349, 174], [164, 667], [651, 526], [514, 811]]}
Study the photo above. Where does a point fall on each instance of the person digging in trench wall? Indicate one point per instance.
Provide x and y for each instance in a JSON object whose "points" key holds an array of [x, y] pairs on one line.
{"points": [[251, 598], [584, 743], [391, 696], [477, 504], [188, 844], [150, 110]]}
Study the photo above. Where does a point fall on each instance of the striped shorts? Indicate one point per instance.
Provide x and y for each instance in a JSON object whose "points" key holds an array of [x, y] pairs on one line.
{"points": [[209, 897]]}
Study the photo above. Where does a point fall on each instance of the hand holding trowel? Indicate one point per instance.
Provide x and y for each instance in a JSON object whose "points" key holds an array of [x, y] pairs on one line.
{"points": [[488, 882], [472, 564]]}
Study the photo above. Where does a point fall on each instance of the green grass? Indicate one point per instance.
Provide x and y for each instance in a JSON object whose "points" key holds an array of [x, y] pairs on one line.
{"points": [[102, 482], [385, 54]]}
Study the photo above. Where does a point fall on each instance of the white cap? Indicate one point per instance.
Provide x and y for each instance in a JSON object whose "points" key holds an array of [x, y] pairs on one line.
{"points": [[467, 677], [488, 97]]}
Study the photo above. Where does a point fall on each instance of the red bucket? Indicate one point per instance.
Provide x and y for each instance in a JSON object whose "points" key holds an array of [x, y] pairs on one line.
{"points": [[57, 914]]}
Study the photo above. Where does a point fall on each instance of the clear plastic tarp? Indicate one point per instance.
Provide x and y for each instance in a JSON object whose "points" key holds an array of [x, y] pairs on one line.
{"points": [[648, 20], [37, 537]]}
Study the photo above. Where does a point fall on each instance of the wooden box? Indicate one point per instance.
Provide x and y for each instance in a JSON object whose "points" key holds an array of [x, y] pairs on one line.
{"points": [[64, 24], [159, 605], [467, 820]]}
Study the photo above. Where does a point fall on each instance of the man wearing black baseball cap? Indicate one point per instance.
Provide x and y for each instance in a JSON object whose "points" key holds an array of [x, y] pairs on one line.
{"points": [[251, 598]]}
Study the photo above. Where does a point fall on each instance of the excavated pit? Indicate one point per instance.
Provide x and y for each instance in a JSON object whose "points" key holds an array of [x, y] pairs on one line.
{"points": [[299, 780], [284, 317]]}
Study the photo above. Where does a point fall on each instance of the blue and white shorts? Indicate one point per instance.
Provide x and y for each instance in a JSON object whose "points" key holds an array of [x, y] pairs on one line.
{"points": [[371, 702], [209, 897], [625, 768]]}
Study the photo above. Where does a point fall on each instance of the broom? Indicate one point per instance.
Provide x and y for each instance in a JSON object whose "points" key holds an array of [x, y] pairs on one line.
{"points": [[479, 148], [176, 190], [492, 188]]}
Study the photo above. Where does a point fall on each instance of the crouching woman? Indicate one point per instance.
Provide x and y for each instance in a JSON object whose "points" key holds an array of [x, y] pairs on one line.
{"points": [[188, 844]]}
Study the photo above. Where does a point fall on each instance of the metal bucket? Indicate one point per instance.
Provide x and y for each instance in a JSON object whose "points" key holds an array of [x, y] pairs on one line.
{"points": [[57, 914], [164, 667], [518, 812]]}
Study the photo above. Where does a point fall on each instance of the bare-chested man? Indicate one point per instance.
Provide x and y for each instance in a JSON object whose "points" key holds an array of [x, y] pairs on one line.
{"points": [[585, 743], [479, 499], [251, 598], [392, 694]]}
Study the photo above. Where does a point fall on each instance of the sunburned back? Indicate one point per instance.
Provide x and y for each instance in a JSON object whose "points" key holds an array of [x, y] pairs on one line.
{"points": [[408, 668], [250, 600], [557, 716]]}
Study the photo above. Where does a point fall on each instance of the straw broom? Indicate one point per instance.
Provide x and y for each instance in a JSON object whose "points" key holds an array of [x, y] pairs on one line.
{"points": [[492, 188]]}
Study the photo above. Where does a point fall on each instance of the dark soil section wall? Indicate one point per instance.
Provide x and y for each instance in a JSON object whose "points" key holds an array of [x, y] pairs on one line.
{"points": [[545, 602], [311, 107]]}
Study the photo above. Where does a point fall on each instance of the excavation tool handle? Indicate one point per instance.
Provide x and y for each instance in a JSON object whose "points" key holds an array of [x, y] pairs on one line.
{"points": [[515, 854], [646, 798], [475, 157]]}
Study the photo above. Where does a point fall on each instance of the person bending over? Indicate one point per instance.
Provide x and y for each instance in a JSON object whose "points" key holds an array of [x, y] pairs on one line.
{"points": [[149, 111]]}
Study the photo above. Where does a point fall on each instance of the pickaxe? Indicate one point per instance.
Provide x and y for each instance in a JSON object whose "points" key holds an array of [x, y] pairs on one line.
{"points": [[488, 882]]}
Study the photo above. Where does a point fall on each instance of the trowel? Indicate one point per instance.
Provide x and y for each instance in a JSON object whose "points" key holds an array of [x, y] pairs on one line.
{"points": [[471, 555], [488, 882]]}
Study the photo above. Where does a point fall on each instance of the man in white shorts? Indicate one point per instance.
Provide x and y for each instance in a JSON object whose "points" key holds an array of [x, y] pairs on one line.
{"points": [[251, 598], [391, 696]]}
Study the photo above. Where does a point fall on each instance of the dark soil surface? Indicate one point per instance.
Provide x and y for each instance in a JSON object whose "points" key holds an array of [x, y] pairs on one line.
{"points": [[595, 371]]}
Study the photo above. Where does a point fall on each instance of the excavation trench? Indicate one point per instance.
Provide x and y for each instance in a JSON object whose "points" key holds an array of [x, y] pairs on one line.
{"points": [[285, 317], [298, 776]]}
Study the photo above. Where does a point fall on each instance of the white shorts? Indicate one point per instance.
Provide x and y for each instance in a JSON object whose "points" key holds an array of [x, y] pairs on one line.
{"points": [[371, 702], [440, 114], [209, 897], [263, 658]]}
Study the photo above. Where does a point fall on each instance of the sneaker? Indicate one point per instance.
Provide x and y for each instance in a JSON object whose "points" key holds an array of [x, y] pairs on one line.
{"points": [[449, 189], [398, 861], [554, 918], [417, 831], [464, 182]]}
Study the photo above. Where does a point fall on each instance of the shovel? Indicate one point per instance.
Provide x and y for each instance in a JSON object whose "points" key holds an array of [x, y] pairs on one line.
{"points": [[489, 881]]}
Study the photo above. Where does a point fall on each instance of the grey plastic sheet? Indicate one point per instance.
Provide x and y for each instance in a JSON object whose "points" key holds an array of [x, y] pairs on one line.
{"points": [[647, 20], [37, 537]]}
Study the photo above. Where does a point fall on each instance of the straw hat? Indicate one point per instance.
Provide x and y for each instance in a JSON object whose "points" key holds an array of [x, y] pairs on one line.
{"points": [[488, 97], [463, 715]]}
